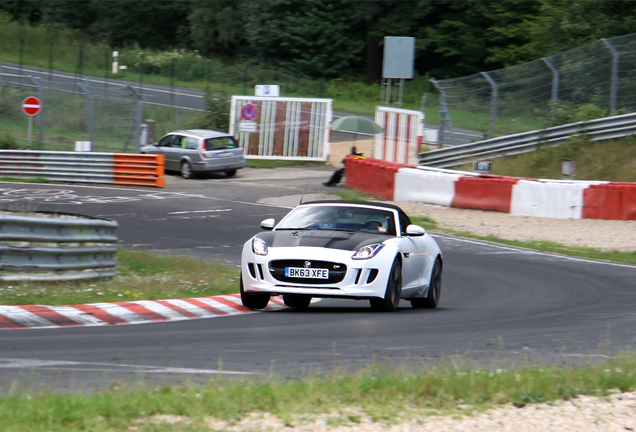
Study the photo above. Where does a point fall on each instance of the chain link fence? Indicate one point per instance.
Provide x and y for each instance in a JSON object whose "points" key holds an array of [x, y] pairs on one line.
{"points": [[69, 113], [88, 97], [595, 80]]}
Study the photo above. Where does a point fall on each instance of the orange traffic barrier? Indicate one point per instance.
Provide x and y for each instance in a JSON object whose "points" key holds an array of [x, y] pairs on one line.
{"points": [[138, 170]]}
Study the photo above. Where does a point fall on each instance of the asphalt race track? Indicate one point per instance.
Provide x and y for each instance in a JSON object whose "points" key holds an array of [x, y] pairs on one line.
{"points": [[498, 303]]}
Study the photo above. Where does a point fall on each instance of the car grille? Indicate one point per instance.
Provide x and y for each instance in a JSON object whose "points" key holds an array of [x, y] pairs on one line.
{"points": [[337, 271]]}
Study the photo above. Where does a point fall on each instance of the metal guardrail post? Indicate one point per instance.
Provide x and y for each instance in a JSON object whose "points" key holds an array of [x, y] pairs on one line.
{"points": [[555, 83], [614, 75], [89, 107], [493, 103]]}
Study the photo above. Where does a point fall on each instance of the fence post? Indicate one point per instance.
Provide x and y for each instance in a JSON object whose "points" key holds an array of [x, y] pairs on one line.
{"points": [[89, 106], [322, 87], [141, 72], [614, 77], [21, 59], [493, 103], [174, 92], [50, 63], [135, 128], [40, 87], [106, 70], [444, 116], [555, 83]]}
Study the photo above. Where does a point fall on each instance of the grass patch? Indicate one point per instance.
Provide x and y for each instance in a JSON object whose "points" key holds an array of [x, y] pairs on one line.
{"points": [[612, 160], [25, 180], [354, 195], [267, 163], [142, 276], [548, 246], [375, 394], [425, 222]]}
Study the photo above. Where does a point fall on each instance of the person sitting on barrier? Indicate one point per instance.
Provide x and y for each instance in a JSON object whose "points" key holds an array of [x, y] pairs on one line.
{"points": [[337, 174]]}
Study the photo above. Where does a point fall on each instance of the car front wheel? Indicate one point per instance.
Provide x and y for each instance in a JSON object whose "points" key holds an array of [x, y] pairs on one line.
{"points": [[393, 292], [296, 301], [253, 300], [186, 170], [434, 289]]}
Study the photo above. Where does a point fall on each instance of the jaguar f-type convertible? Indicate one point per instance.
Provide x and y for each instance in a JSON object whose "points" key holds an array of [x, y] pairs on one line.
{"points": [[342, 249]]}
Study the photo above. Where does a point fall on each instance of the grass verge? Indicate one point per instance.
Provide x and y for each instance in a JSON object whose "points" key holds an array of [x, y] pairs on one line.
{"points": [[25, 180], [142, 276], [376, 394]]}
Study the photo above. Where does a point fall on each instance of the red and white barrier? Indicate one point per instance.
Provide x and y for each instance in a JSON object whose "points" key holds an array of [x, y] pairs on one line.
{"points": [[523, 197]]}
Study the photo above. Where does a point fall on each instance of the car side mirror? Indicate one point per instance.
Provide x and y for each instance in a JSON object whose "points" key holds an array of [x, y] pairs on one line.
{"points": [[155, 144], [415, 231], [268, 224]]}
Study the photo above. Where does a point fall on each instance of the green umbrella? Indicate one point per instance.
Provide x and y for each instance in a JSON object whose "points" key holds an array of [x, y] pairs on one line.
{"points": [[356, 124]]}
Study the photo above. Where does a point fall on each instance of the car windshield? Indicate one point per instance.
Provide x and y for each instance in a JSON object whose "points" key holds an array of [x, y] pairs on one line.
{"points": [[222, 143], [344, 218]]}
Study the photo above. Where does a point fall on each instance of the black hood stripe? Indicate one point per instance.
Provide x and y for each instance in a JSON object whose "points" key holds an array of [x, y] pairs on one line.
{"points": [[343, 240]]}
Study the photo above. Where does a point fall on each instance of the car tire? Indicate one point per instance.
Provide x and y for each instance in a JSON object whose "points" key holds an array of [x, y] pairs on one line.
{"points": [[434, 291], [296, 301], [253, 300], [230, 173], [186, 170], [393, 292]]}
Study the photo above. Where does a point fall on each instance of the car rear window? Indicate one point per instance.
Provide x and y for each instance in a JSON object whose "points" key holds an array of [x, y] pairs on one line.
{"points": [[222, 143]]}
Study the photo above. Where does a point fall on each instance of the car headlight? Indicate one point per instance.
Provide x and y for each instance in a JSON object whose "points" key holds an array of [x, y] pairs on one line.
{"points": [[368, 251], [259, 246]]}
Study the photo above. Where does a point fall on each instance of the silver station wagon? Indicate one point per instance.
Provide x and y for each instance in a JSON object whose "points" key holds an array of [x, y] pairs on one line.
{"points": [[198, 150]]}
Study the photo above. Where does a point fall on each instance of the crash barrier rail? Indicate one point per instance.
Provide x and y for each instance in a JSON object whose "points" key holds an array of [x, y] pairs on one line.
{"points": [[282, 128], [598, 130], [565, 199], [85, 167], [47, 246], [404, 131]]}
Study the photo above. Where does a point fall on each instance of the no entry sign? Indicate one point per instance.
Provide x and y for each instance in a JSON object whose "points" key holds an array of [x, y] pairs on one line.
{"points": [[31, 106]]}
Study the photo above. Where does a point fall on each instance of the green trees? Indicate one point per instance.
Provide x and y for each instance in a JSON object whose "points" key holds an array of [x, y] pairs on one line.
{"points": [[335, 38]]}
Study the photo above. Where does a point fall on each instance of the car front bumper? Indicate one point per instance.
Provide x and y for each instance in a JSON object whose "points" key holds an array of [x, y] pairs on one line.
{"points": [[363, 279]]}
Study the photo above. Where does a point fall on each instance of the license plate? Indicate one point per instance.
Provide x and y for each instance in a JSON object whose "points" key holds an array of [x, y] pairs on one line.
{"points": [[295, 272], [226, 154]]}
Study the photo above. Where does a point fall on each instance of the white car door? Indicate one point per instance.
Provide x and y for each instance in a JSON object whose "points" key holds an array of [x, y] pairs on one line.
{"points": [[416, 260]]}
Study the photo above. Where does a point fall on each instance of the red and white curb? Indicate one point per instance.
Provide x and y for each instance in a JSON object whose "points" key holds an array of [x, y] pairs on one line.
{"points": [[135, 312]]}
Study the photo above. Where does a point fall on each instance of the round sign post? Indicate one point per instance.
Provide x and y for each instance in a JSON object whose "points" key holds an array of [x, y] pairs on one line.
{"points": [[31, 106]]}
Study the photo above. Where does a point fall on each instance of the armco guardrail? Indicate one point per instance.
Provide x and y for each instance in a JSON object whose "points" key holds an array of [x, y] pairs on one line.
{"points": [[86, 167], [55, 246], [597, 130]]}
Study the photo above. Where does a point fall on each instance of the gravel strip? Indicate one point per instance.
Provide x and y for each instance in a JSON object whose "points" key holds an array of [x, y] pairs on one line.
{"points": [[594, 233], [584, 414]]}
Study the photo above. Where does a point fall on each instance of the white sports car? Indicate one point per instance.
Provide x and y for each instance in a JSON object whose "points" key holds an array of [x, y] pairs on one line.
{"points": [[342, 249]]}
